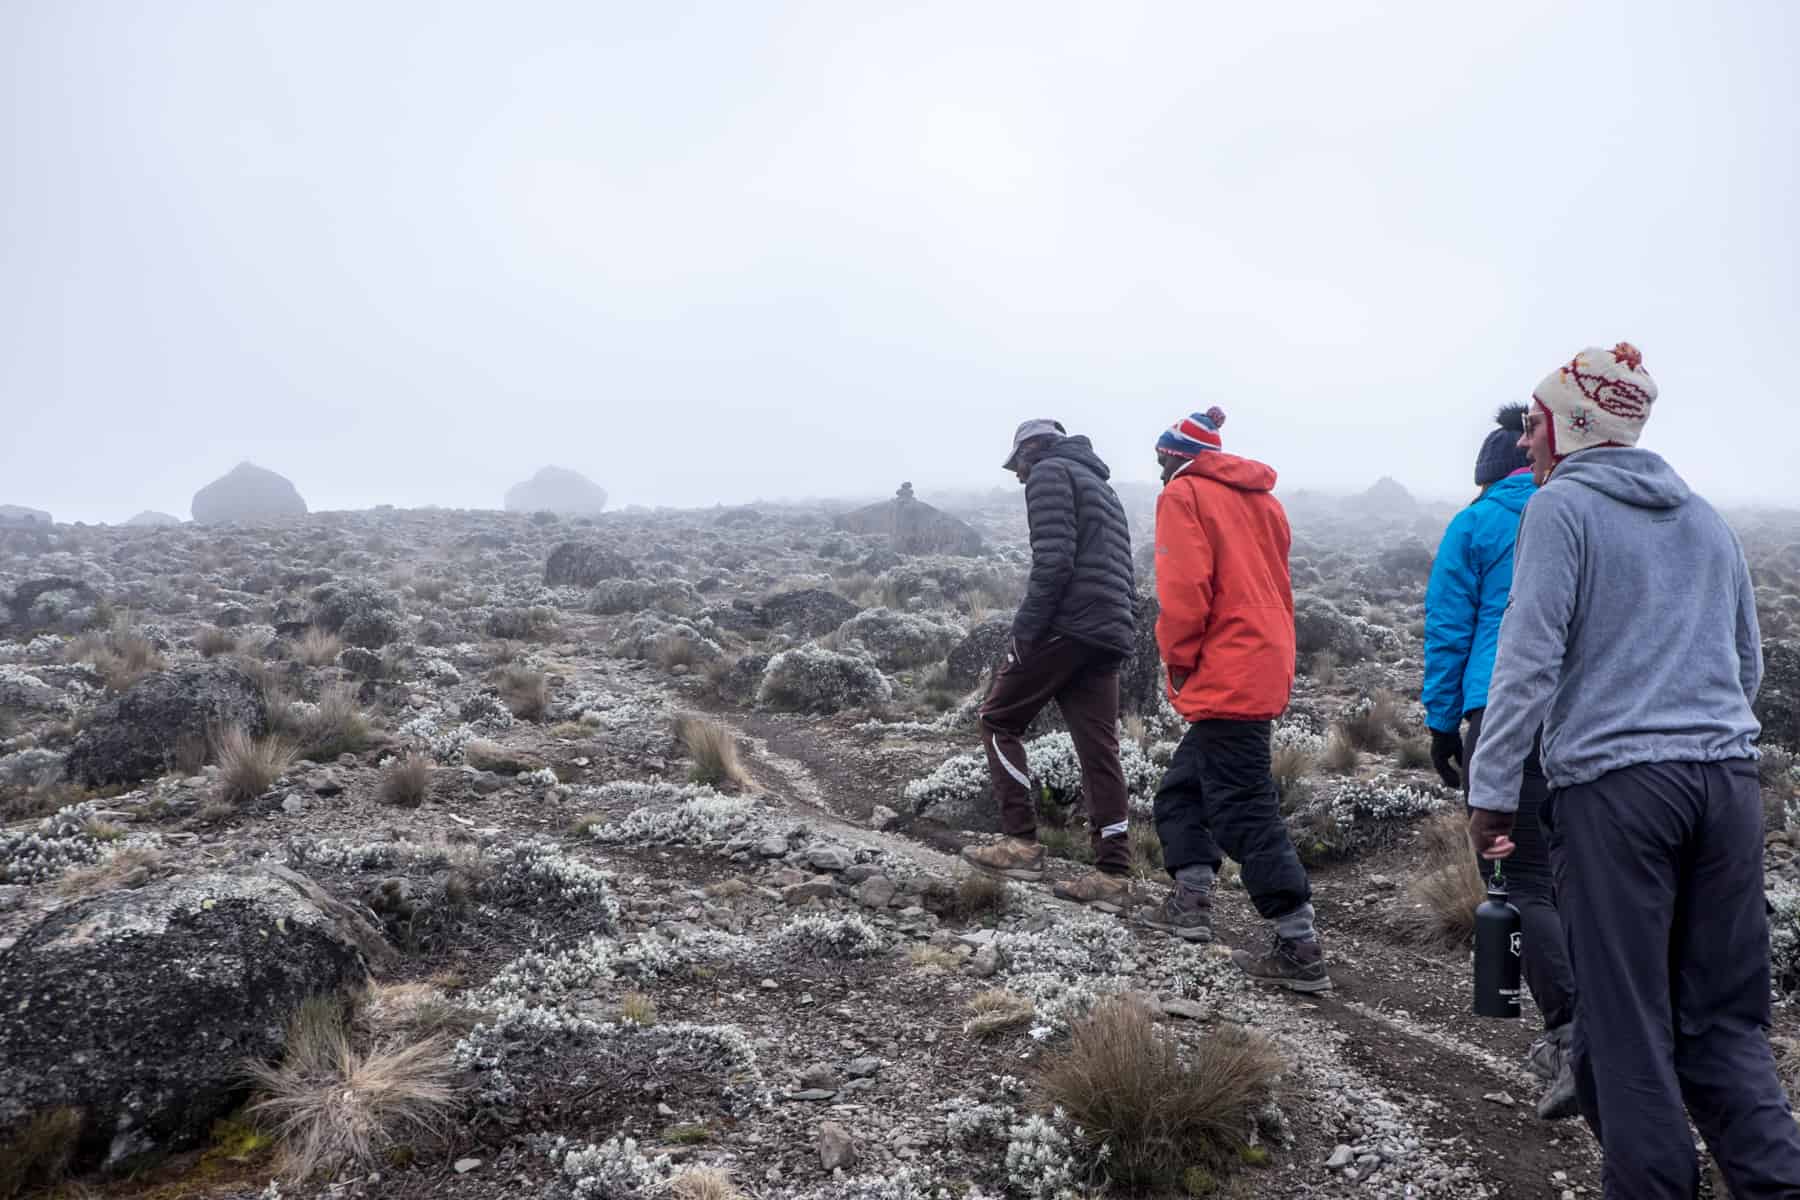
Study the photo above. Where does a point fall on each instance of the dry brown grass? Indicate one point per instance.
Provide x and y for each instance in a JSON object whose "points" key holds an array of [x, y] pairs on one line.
{"points": [[120, 654], [526, 692], [925, 957], [997, 1010], [1146, 850], [704, 1183], [1291, 765], [676, 652], [413, 1010], [248, 766], [1448, 887], [635, 1008], [213, 641], [318, 648], [38, 1155], [1372, 727], [338, 726], [131, 867], [714, 751], [973, 895], [1413, 754], [406, 783], [1341, 754], [1163, 1107], [335, 1104]]}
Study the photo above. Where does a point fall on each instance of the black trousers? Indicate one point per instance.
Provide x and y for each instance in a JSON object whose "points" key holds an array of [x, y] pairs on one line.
{"points": [[1531, 887], [1660, 870], [1218, 793]]}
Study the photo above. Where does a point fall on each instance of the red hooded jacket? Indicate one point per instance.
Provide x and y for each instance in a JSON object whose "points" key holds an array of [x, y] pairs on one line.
{"points": [[1227, 602]]}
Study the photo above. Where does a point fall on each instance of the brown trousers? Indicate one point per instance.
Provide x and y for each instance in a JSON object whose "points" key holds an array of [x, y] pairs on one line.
{"points": [[1084, 682]]}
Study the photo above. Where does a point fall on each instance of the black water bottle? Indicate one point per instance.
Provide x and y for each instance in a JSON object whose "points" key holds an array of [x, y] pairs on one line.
{"points": [[1497, 947]]}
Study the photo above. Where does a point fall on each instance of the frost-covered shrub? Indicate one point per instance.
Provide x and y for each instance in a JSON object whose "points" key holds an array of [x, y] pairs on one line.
{"points": [[838, 935], [540, 871], [700, 816], [1784, 934], [1321, 625], [342, 854], [1039, 1160], [906, 1183], [486, 712], [33, 767], [444, 746], [813, 679], [614, 1170], [960, 784], [957, 782], [649, 636], [615, 597], [898, 639], [1293, 735], [47, 849]]}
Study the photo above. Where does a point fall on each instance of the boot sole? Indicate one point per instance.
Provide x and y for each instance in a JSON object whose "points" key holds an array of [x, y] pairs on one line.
{"points": [[1305, 987], [1022, 874], [1111, 908], [1185, 933]]}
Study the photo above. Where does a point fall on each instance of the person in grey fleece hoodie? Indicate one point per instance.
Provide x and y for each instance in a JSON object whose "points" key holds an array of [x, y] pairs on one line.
{"points": [[1631, 637]]}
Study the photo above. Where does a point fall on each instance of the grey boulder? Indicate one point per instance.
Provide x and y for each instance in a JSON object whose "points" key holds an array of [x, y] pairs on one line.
{"points": [[137, 734], [557, 490], [249, 494], [138, 1009]]}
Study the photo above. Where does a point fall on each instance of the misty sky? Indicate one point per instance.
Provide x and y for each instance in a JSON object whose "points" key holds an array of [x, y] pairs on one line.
{"points": [[410, 252]]}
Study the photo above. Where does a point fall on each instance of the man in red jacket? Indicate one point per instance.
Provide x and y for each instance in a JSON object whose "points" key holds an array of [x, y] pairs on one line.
{"points": [[1226, 635]]}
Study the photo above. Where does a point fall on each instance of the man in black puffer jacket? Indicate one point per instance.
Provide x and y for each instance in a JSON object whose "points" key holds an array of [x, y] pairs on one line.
{"points": [[1075, 626]]}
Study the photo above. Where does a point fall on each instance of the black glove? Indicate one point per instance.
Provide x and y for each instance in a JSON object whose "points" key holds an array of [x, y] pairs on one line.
{"points": [[1447, 757]]}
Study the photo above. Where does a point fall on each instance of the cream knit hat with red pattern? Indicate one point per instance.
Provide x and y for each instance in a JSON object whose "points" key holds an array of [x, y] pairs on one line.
{"points": [[1599, 398]]}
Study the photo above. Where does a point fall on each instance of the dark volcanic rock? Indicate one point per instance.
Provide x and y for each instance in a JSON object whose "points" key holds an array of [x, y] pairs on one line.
{"points": [[982, 650], [1142, 677], [583, 564], [359, 612], [139, 1008], [557, 490], [808, 612], [912, 526], [248, 493], [1778, 703], [54, 605], [137, 734]]}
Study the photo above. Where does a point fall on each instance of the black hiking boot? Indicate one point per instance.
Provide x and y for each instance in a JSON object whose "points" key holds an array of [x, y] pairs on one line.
{"points": [[1297, 966], [1185, 914]]}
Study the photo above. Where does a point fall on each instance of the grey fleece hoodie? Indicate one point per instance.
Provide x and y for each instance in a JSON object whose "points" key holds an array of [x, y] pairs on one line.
{"points": [[1631, 633]]}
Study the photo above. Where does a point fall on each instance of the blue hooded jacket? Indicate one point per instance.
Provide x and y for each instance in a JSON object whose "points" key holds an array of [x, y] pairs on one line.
{"points": [[1470, 581]]}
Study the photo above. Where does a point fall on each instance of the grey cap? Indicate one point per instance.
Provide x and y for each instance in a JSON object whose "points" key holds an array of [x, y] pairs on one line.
{"points": [[1035, 428]]}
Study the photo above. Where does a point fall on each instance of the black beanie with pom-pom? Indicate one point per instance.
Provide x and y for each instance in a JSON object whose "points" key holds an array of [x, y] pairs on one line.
{"points": [[1500, 454]]}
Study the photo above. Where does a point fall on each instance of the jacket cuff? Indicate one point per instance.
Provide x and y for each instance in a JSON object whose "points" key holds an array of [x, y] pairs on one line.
{"points": [[1492, 803]]}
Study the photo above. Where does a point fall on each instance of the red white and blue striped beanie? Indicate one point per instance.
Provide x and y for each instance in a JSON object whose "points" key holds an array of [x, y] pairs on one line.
{"points": [[1193, 435]]}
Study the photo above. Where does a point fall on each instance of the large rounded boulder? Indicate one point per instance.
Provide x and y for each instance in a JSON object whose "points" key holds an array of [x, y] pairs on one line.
{"points": [[557, 490], [247, 494], [135, 1010], [983, 649], [584, 564], [53, 605], [150, 519], [806, 612], [14, 514], [138, 734]]}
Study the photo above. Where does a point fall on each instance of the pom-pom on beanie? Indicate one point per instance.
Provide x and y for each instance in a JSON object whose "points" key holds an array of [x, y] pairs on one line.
{"points": [[1193, 435], [1500, 454]]}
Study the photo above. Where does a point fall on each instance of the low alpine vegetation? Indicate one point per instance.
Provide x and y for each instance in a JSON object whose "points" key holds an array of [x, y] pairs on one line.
{"points": [[249, 766], [407, 782], [714, 752]]}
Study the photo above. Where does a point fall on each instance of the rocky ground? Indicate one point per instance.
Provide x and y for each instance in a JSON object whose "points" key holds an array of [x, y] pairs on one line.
{"points": [[476, 771]]}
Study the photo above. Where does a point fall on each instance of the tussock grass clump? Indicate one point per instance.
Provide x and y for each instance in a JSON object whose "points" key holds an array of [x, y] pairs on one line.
{"points": [[1162, 1107], [714, 751], [213, 641], [39, 1154], [1448, 887], [120, 654], [1062, 842], [997, 1010], [704, 1183], [1413, 754], [407, 782], [318, 648], [635, 1008], [414, 1010], [333, 1104], [336, 727], [526, 692], [129, 867], [1341, 754], [1146, 850], [1291, 765], [248, 766], [1371, 722], [676, 652], [931, 958], [973, 895]]}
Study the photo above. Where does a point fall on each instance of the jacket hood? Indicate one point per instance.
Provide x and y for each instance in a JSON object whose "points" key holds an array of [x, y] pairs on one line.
{"points": [[1631, 476], [1078, 449], [1510, 493], [1244, 474]]}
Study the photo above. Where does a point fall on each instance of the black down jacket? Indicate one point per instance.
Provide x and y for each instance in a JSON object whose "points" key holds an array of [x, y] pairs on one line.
{"points": [[1081, 583]]}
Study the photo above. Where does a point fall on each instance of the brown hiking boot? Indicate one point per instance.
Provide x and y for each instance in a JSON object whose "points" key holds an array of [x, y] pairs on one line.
{"points": [[1297, 966], [1097, 889], [1010, 858], [1183, 913]]}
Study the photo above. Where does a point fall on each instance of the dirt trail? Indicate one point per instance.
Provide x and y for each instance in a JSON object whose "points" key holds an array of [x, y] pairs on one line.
{"points": [[1398, 1016]]}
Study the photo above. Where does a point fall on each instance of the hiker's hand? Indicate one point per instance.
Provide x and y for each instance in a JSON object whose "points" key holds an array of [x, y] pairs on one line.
{"points": [[1490, 833], [1447, 757]]}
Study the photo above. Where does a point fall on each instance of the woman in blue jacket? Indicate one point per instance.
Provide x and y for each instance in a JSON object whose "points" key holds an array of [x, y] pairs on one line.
{"points": [[1470, 580]]}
